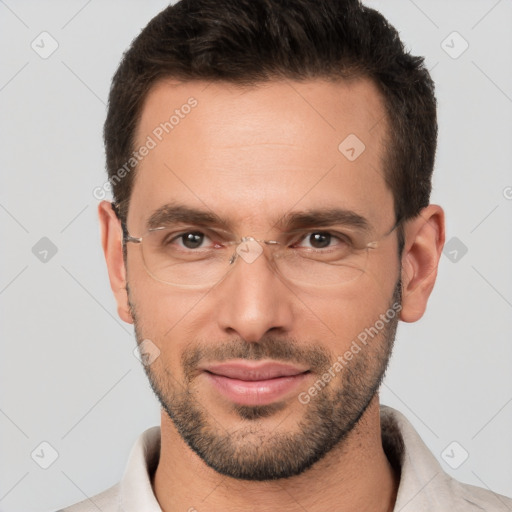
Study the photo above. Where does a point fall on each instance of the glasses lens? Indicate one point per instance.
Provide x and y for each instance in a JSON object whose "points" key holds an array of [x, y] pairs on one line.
{"points": [[185, 260], [317, 270], [182, 260]]}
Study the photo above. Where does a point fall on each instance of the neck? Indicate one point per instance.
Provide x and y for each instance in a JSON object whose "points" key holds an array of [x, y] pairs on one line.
{"points": [[354, 476]]}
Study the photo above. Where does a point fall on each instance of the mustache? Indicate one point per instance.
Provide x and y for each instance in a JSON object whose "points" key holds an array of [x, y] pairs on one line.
{"points": [[270, 347]]}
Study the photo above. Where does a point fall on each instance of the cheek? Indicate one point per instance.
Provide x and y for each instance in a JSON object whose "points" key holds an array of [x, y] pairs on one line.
{"points": [[343, 319], [160, 308], [341, 315], [164, 315]]}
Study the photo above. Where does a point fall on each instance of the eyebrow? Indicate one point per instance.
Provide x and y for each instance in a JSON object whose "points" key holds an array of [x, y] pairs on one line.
{"points": [[322, 218], [173, 213], [176, 213]]}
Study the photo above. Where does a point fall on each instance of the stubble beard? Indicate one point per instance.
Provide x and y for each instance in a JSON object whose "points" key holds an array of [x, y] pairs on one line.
{"points": [[252, 452]]}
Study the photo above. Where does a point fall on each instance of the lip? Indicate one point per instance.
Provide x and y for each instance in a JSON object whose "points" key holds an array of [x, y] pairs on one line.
{"points": [[254, 371], [259, 383]]}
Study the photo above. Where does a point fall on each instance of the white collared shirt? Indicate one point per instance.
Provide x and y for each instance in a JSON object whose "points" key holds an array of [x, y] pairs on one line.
{"points": [[424, 485]]}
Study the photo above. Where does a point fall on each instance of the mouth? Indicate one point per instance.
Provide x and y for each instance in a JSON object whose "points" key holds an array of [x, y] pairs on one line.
{"points": [[249, 383]]}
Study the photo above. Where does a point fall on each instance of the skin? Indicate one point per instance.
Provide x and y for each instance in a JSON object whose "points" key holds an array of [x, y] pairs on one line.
{"points": [[252, 155]]}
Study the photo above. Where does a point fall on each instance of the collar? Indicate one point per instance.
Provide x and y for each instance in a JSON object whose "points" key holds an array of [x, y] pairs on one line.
{"points": [[424, 486]]}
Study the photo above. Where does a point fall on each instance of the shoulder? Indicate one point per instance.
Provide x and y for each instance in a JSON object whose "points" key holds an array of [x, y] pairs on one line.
{"points": [[135, 487], [424, 485], [106, 501], [468, 497]]}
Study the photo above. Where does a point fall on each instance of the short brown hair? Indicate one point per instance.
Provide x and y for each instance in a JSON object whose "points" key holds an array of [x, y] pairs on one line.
{"points": [[251, 41]]}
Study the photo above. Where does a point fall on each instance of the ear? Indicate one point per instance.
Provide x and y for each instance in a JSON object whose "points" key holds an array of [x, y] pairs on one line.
{"points": [[424, 239], [112, 242]]}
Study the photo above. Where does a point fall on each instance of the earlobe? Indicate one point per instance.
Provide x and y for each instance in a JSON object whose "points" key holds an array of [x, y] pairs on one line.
{"points": [[111, 240], [424, 240]]}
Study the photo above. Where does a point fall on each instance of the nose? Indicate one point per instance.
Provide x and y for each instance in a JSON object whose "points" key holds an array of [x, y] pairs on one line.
{"points": [[252, 299]]}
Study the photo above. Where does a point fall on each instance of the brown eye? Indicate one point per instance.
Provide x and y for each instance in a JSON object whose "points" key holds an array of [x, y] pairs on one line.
{"points": [[320, 240], [317, 240], [192, 240]]}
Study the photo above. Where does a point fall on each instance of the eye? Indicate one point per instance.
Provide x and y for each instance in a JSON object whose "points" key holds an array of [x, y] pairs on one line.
{"points": [[192, 239], [185, 240], [321, 240]]}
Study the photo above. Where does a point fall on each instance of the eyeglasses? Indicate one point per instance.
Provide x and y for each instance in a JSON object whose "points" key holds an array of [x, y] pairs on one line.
{"points": [[197, 257]]}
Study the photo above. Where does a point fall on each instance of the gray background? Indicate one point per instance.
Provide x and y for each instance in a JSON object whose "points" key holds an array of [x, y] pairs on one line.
{"points": [[68, 375]]}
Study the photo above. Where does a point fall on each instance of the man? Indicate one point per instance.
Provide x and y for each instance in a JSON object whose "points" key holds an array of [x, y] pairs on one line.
{"points": [[271, 167]]}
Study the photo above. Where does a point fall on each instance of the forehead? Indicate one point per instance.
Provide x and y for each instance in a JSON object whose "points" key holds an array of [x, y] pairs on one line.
{"points": [[255, 152]]}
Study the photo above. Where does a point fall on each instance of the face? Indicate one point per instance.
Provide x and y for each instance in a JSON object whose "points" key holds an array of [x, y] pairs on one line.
{"points": [[263, 375]]}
